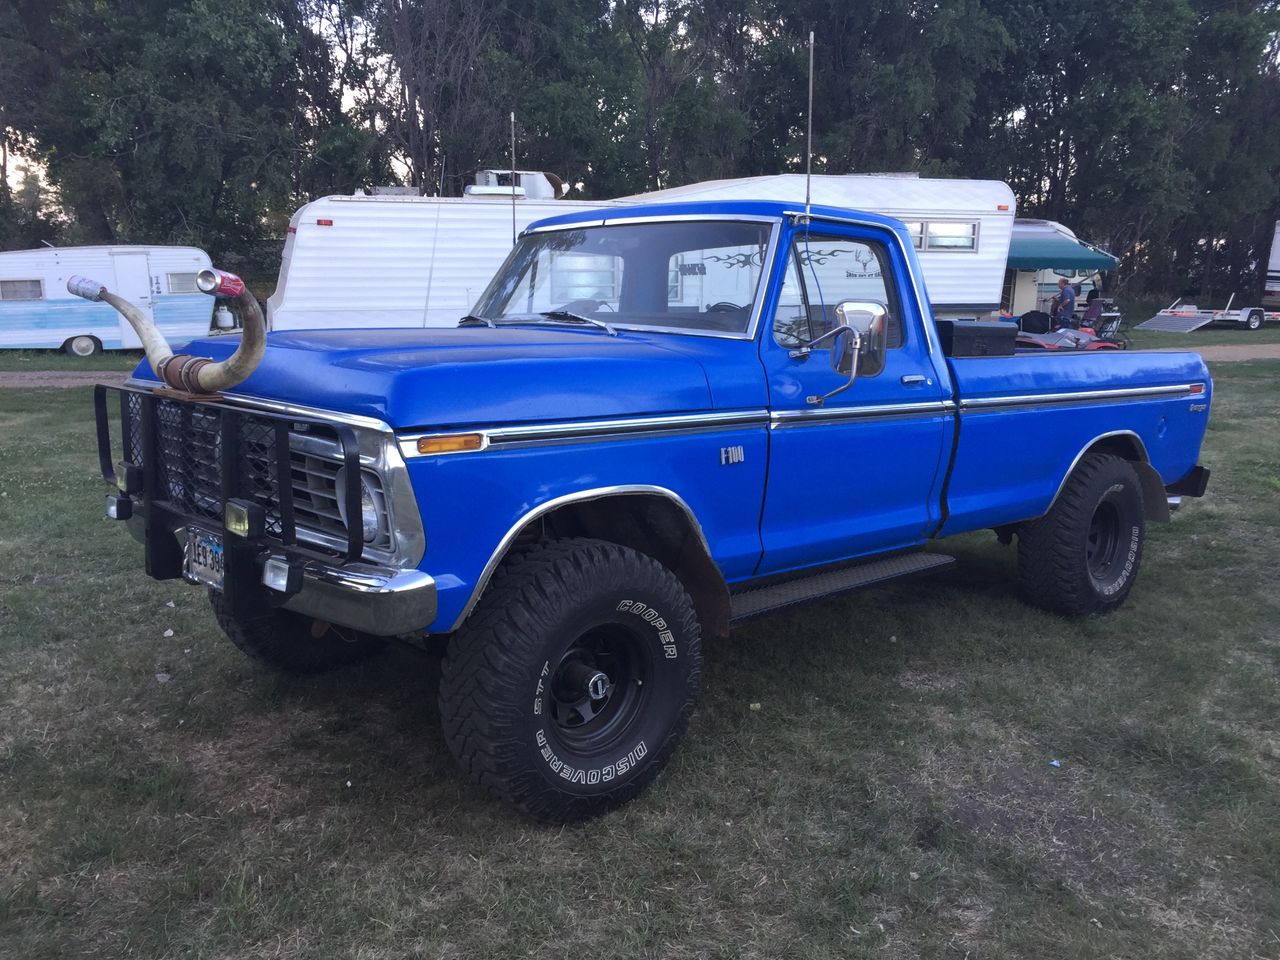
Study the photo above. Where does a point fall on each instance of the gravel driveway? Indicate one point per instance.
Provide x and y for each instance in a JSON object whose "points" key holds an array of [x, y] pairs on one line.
{"points": [[61, 378], [1232, 351]]}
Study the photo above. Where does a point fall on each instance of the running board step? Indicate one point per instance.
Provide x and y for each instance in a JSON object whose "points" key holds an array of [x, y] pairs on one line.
{"points": [[760, 600]]}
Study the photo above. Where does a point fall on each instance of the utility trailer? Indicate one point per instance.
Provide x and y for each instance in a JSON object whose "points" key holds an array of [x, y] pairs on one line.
{"points": [[1181, 317]]}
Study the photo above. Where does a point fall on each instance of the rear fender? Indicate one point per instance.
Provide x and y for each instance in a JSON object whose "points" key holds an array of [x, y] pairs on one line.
{"points": [[1129, 446]]}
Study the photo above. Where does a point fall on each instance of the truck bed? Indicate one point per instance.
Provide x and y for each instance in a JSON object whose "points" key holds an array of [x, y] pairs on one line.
{"points": [[1025, 420]]}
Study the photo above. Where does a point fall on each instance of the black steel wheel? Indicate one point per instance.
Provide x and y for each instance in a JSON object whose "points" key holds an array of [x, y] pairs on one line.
{"points": [[569, 688], [1083, 555]]}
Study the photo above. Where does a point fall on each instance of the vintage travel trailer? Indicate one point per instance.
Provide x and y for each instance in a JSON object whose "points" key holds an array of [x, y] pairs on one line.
{"points": [[36, 311]]}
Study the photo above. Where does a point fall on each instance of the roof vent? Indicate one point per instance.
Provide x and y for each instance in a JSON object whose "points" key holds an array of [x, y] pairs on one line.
{"points": [[534, 184]]}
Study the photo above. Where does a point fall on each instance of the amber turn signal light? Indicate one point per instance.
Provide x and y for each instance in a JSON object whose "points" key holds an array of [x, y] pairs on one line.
{"points": [[450, 443]]}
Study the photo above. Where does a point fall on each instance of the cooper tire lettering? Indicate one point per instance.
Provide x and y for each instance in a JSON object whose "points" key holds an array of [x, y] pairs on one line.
{"points": [[599, 668]]}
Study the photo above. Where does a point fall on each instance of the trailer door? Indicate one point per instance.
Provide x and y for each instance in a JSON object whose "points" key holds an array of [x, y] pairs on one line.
{"points": [[133, 282]]}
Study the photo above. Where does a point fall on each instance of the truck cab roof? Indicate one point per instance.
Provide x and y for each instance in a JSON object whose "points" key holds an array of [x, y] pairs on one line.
{"points": [[755, 209]]}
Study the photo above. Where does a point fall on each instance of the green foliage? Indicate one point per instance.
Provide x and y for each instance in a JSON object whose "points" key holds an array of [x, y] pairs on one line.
{"points": [[1143, 125], [187, 122]]}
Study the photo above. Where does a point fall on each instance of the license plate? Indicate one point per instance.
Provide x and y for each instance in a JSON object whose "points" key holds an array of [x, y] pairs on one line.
{"points": [[203, 558]]}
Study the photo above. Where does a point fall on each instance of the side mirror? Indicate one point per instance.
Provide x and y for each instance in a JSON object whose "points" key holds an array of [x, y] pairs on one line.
{"points": [[845, 347], [871, 322]]}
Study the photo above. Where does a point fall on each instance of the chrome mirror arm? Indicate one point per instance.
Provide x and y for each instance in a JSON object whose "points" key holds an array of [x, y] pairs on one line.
{"points": [[855, 348], [799, 353]]}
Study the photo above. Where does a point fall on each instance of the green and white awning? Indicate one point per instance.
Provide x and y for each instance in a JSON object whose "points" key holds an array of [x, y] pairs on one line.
{"points": [[1045, 245]]}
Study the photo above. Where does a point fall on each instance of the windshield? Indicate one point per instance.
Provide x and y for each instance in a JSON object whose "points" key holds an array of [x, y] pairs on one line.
{"points": [[696, 275]]}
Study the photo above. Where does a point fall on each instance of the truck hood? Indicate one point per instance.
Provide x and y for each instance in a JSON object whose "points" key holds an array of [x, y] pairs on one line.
{"points": [[469, 376]]}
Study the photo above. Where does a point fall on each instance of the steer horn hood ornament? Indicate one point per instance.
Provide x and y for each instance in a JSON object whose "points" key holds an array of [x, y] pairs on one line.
{"points": [[196, 375]]}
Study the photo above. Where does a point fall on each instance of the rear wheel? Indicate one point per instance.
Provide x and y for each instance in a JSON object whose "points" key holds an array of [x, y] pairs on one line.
{"points": [[1083, 555], [568, 690], [293, 643], [82, 346], [1254, 321]]}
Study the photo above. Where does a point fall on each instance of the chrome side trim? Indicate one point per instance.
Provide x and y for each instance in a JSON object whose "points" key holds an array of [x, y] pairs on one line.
{"points": [[1076, 396], [598, 493], [885, 411], [592, 429], [1146, 458], [378, 452]]}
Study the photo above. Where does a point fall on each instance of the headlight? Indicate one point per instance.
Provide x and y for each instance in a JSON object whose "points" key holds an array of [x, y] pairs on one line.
{"points": [[373, 507]]}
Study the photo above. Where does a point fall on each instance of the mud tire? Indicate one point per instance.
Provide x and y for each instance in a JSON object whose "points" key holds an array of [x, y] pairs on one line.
{"points": [[1083, 556], [288, 642], [553, 613]]}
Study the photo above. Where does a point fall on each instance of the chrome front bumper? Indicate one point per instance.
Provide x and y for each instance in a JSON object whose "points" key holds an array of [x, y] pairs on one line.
{"points": [[365, 598]]}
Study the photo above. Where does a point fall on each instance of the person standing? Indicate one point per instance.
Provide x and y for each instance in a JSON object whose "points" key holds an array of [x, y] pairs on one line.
{"points": [[1064, 311]]}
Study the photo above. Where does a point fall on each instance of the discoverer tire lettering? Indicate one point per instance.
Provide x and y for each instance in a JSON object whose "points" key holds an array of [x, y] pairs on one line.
{"points": [[568, 689]]}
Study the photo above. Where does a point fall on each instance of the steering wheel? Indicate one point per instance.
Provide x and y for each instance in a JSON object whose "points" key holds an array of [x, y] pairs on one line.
{"points": [[724, 306]]}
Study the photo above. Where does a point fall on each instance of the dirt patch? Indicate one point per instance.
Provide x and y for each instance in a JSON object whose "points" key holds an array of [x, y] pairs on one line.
{"points": [[1230, 351], [61, 378]]}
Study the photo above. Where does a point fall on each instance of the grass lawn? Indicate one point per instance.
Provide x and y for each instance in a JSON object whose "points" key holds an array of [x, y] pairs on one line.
{"points": [[892, 796]]}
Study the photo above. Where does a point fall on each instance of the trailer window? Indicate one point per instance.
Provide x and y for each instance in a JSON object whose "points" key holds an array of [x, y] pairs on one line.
{"points": [[949, 235], [183, 283], [21, 289], [916, 229], [583, 276]]}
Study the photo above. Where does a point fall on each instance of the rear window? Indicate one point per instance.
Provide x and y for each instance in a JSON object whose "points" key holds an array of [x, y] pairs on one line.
{"points": [[21, 289]]}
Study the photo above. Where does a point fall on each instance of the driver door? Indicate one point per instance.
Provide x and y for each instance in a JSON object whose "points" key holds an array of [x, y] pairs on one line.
{"points": [[860, 472]]}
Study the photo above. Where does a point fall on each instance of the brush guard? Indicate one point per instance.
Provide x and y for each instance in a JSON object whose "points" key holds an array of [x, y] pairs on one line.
{"points": [[184, 459]]}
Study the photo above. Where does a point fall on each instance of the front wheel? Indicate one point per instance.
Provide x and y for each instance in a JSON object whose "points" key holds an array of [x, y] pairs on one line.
{"points": [[1083, 555], [568, 690], [291, 642]]}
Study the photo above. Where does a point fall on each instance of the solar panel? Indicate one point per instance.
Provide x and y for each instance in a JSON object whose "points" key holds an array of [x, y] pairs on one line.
{"points": [[1173, 324]]}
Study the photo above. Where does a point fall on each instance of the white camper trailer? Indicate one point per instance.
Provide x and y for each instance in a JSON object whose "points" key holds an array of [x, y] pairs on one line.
{"points": [[961, 228], [396, 261], [36, 311], [1271, 291]]}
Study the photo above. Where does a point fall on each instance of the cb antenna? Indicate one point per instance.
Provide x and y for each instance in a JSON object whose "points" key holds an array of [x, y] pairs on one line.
{"points": [[513, 178], [808, 149]]}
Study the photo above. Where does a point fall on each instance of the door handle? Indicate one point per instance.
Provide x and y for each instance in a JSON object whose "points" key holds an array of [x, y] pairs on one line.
{"points": [[916, 380]]}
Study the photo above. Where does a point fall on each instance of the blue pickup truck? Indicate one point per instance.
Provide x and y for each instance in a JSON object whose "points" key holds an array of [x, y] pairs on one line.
{"points": [[656, 423]]}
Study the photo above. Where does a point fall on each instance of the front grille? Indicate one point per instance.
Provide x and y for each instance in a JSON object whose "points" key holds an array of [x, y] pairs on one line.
{"points": [[189, 470]]}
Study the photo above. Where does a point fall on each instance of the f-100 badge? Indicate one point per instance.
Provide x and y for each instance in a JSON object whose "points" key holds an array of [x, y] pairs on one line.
{"points": [[731, 455]]}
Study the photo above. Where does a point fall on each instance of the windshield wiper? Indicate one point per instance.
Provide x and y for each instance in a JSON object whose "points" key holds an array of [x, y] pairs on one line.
{"points": [[568, 316], [471, 320]]}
